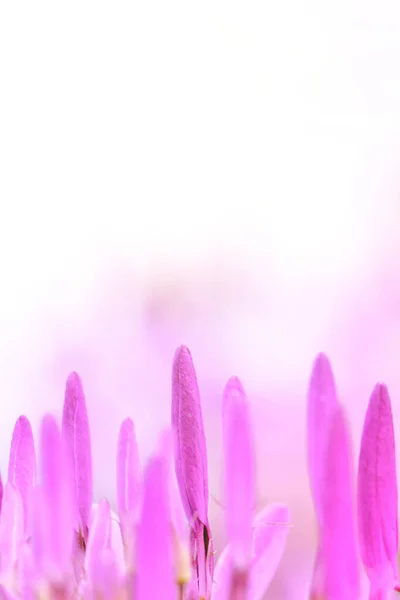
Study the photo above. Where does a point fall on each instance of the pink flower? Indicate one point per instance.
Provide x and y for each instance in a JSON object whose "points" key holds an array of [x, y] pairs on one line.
{"points": [[377, 495], [22, 465], [155, 568], [56, 543], [338, 528], [53, 512], [321, 405], [336, 570], [191, 465], [239, 484], [255, 546], [128, 488], [76, 433]]}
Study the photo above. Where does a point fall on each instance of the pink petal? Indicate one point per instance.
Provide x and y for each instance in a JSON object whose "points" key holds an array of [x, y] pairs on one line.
{"points": [[11, 528], [181, 550], [239, 472], [22, 463], [338, 533], [39, 530], [155, 572], [322, 404], [181, 534], [269, 542], [117, 545], [27, 577], [270, 531], [222, 575], [6, 594], [1, 493], [318, 577], [191, 461], [76, 432], [128, 469], [271, 521], [53, 536], [128, 484], [108, 578], [377, 492], [99, 539], [378, 594], [188, 428]]}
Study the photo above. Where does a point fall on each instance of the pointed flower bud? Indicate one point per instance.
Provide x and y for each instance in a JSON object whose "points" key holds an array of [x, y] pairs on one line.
{"points": [[321, 405], [53, 516], [239, 466], [155, 572], [128, 487], [11, 533], [377, 494], [191, 464], [338, 529], [22, 464], [76, 433]]}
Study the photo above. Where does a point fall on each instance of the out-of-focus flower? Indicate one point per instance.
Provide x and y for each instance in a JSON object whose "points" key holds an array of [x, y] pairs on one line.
{"points": [[377, 495], [128, 488], [155, 573], [337, 566], [255, 546], [239, 467], [53, 514], [270, 531], [55, 543], [338, 530], [321, 405], [179, 523]]}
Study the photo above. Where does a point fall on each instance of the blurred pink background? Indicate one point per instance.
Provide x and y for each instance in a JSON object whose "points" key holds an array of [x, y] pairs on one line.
{"points": [[223, 175]]}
